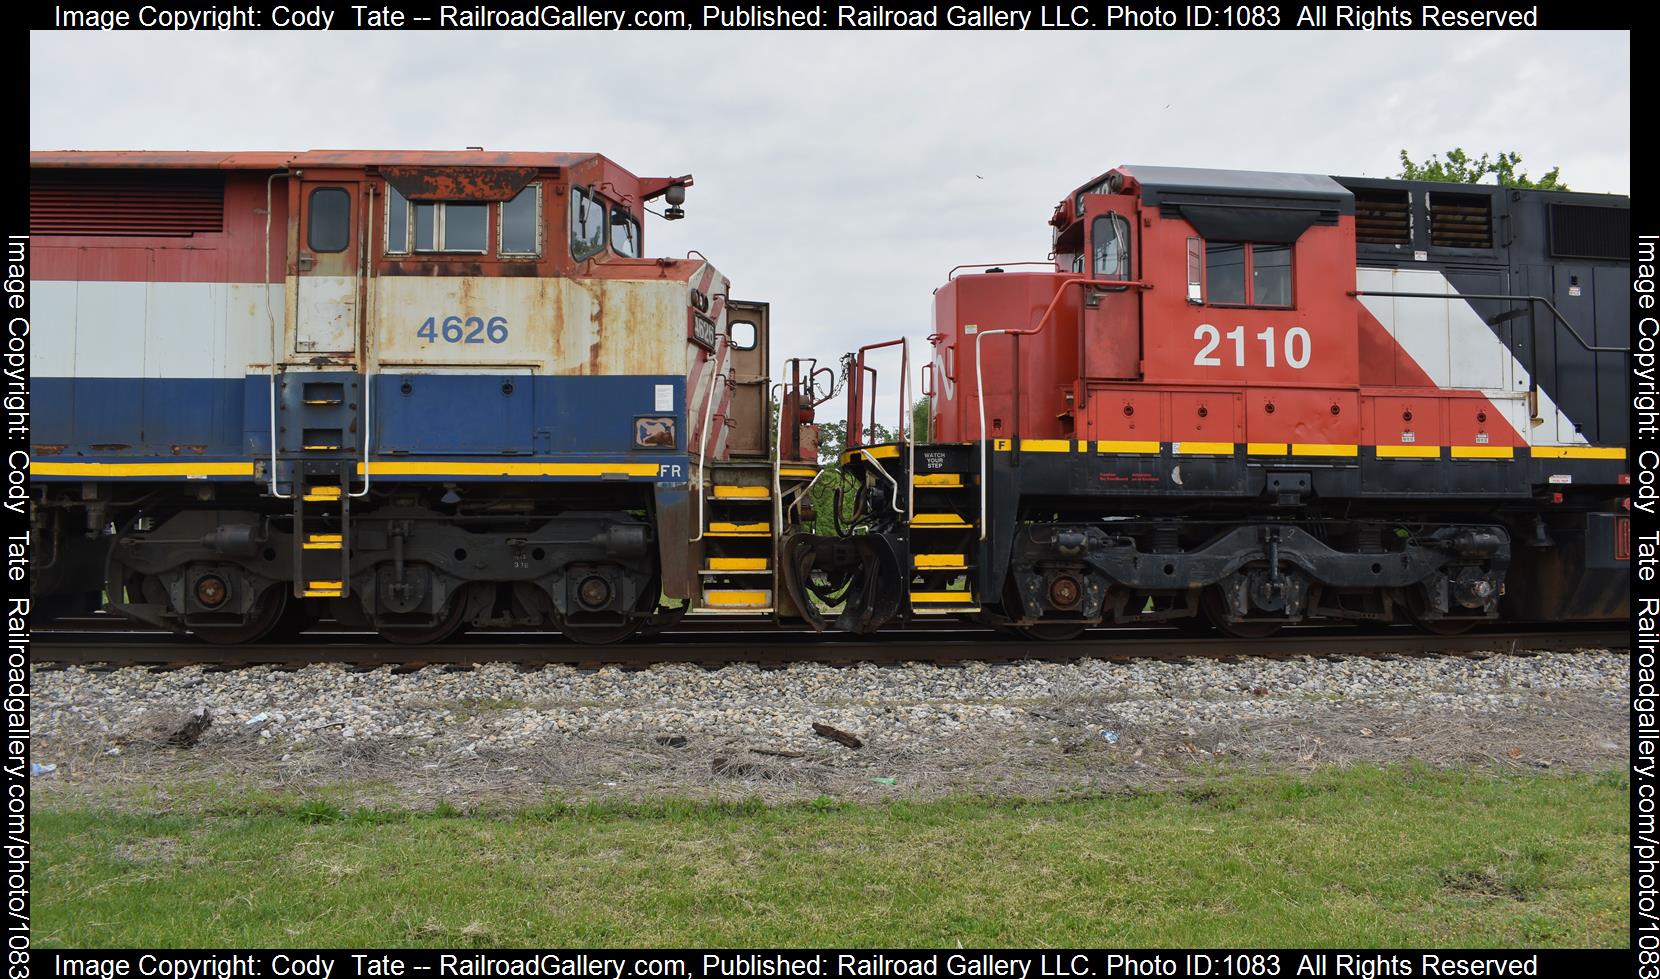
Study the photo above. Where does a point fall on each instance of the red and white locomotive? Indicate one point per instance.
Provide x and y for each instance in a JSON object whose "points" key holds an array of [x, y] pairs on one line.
{"points": [[1262, 398]]}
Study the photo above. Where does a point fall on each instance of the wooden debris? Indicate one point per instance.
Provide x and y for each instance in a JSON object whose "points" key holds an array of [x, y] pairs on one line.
{"points": [[838, 736]]}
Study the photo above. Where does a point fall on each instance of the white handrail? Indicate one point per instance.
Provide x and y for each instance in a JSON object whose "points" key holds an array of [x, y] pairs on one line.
{"points": [[368, 334], [271, 318], [708, 415], [885, 474], [777, 465], [980, 395], [909, 425]]}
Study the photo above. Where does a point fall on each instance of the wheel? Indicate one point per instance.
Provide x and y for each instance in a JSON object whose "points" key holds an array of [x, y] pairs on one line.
{"points": [[1416, 609], [599, 633], [1052, 631], [267, 615], [449, 622], [1216, 610]]}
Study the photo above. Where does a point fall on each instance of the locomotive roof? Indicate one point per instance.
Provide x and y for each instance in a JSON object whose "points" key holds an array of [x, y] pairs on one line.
{"points": [[1188, 182], [211, 160]]}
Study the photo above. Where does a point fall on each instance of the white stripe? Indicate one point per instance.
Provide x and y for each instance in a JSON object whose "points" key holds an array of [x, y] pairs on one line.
{"points": [[150, 329], [1458, 350]]}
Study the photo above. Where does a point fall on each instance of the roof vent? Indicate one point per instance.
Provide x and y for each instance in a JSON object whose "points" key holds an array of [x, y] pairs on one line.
{"points": [[1383, 217], [1581, 231], [126, 203], [1460, 220]]}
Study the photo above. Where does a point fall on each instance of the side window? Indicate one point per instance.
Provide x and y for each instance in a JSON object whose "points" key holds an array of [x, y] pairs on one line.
{"points": [[397, 222], [625, 233], [587, 225], [521, 223], [1242, 273], [435, 226], [1110, 240], [1225, 273], [329, 220]]}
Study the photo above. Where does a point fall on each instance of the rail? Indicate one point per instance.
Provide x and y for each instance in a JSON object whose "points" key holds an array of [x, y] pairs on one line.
{"points": [[979, 375], [703, 443]]}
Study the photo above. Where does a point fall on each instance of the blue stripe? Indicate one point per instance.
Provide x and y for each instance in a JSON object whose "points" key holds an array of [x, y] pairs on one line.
{"points": [[468, 417]]}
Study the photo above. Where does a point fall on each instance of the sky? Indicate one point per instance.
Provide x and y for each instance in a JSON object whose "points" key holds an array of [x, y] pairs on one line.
{"points": [[840, 175]]}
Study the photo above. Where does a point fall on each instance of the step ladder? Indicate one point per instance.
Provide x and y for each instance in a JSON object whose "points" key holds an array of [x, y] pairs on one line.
{"points": [[945, 542], [322, 529], [318, 446], [737, 573]]}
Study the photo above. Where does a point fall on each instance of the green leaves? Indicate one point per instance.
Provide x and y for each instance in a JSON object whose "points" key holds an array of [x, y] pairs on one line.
{"points": [[1460, 168]]}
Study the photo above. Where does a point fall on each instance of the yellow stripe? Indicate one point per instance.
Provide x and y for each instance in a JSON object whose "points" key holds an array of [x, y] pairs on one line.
{"points": [[1266, 448], [942, 598], [1314, 449], [937, 520], [724, 527], [142, 468], [336, 585], [1046, 445], [1576, 452], [737, 564], [322, 594], [1483, 452], [510, 468], [937, 480], [742, 493], [1121, 445], [1409, 452], [798, 473], [940, 562], [736, 598], [1203, 448]]}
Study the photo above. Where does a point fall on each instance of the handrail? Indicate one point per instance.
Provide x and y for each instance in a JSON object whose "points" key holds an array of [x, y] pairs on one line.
{"points": [[368, 334], [894, 500], [265, 274], [979, 375], [777, 484], [1589, 347], [703, 446], [990, 265]]}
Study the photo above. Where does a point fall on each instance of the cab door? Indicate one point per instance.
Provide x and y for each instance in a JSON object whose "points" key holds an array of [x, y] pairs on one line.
{"points": [[1110, 334], [750, 415], [327, 264]]}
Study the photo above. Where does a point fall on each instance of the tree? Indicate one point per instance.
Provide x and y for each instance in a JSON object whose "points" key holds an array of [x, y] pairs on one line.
{"points": [[1460, 168]]}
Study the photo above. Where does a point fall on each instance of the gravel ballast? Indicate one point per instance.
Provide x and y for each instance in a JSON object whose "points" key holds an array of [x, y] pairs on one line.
{"points": [[497, 734]]}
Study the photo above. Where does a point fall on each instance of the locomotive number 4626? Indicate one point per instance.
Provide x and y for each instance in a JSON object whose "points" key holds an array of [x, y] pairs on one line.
{"points": [[471, 329], [1296, 347]]}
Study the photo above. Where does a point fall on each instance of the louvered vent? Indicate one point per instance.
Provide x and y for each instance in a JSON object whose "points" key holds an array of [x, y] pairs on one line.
{"points": [[159, 203], [1460, 220], [1577, 231], [1383, 217]]}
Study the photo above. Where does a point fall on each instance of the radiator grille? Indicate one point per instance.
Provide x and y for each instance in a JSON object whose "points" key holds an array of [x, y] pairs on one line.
{"points": [[1460, 220], [156, 203], [1581, 231], [1383, 217]]}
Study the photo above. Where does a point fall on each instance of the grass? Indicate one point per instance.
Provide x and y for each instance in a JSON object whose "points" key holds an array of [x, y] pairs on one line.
{"points": [[1362, 856]]}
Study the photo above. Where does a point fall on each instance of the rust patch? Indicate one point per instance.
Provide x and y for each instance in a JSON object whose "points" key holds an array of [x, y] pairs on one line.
{"points": [[46, 450], [193, 449], [110, 446], [459, 183]]}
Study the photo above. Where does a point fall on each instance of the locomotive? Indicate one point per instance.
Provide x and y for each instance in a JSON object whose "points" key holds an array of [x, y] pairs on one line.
{"points": [[409, 391], [417, 392], [1257, 399]]}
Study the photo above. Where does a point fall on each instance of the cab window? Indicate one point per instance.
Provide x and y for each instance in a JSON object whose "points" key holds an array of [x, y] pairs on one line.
{"points": [[435, 226], [1110, 237], [520, 223], [1243, 273], [625, 233], [587, 224]]}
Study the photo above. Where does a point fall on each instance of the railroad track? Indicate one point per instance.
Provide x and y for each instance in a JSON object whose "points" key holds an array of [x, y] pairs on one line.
{"points": [[111, 649]]}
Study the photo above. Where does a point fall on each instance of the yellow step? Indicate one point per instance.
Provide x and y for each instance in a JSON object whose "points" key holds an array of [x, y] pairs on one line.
{"points": [[317, 494], [945, 521], [939, 481], [737, 564], [939, 562], [722, 528], [742, 493], [797, 473], [324, 589], [322, 542], [941, 598], [737, 598], [320, 448]]}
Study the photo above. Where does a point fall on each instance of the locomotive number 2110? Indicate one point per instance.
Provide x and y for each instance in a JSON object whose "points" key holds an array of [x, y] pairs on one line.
{"points": [[1296, 347]]}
